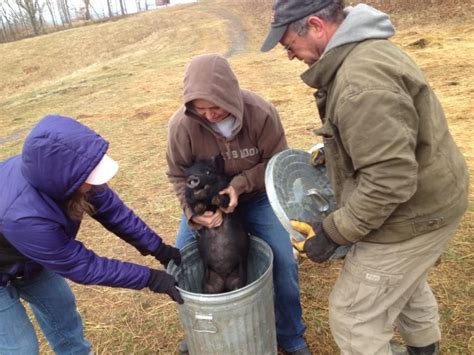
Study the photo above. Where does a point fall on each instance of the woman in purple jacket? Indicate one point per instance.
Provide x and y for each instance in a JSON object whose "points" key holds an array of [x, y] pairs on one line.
{"points": [[44, 192]]}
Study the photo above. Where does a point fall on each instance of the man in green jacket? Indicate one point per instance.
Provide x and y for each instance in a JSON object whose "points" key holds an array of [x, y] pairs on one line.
{"points": [[400, 181]]}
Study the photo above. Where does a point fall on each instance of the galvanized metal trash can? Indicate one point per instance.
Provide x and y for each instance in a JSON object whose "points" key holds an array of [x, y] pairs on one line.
{"points": [[237, 322]]}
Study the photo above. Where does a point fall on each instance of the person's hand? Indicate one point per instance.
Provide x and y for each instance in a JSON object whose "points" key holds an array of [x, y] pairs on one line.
{"points": [[208, 219], [233, 197], [317, 157], [318, 246], [161, 282], [165, 253]]}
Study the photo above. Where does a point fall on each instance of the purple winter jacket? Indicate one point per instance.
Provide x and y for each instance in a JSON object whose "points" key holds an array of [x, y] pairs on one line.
{"points": [[35, 230]]}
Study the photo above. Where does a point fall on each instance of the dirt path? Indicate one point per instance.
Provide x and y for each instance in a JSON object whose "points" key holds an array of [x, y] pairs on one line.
{"points": [[236, 32], [237, 44]]}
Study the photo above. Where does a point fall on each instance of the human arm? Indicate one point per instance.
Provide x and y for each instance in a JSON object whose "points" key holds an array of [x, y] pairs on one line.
{"points": [[179, 155], [233, 199], [270, 140], [115, 216], [378, 129], [46, 242], [208, 219]]}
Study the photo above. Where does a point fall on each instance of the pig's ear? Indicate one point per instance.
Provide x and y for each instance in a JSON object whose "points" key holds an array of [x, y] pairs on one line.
{"points": [[219, 162]]}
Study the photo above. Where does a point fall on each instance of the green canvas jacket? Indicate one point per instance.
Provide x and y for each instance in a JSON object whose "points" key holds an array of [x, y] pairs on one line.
{"points": [[395, 168]]}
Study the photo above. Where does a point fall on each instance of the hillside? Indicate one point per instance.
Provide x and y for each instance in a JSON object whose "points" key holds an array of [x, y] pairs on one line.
{"points": [[124, 79]]}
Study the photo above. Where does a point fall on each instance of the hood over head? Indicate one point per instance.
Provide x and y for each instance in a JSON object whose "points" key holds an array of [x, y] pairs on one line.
{"points": [[210, 77], [361, 23], [59, 154]]}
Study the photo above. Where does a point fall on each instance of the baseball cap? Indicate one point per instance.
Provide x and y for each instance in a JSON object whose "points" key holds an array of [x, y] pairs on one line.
{"points": [[286, 12], [103, 172]]}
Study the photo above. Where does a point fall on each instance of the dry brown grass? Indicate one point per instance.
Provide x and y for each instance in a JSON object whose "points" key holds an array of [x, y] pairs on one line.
{"points": [[124, 79]]}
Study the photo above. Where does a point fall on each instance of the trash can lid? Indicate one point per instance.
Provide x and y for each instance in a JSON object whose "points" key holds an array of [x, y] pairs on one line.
{"points": [[298, 190]]}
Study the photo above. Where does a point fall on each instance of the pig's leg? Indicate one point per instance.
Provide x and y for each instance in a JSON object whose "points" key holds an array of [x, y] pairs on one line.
{"points": [[221, 200], [237, 278], [203, 193], [200, 208], [213, 283]]}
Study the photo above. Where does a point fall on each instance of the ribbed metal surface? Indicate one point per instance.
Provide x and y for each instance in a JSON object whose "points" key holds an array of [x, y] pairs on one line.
{"points": [[237, 322], [300, 191]]}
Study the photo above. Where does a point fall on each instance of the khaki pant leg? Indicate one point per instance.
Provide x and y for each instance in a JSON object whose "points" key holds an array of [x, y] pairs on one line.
{"points": [[377, 284], [418, 320]]}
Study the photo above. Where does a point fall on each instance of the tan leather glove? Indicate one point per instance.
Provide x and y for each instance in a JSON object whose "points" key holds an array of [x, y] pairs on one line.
{"points": [[317, 157], [306, 230]]}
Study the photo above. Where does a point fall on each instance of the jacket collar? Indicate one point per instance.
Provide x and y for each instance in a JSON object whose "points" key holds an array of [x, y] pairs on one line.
{"points": [[321, 73]]}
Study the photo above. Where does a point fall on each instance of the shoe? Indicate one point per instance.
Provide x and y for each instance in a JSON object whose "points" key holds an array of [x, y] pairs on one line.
{"points": [[183, 348], [397, 348], [303, 351], [432, 349]]}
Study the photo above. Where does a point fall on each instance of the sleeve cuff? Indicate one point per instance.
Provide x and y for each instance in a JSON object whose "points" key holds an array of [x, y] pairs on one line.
{"points": [[239, 183], [332, 231]]}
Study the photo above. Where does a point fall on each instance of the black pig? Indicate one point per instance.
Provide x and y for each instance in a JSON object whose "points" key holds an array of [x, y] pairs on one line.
{"points": [[223, 249]]}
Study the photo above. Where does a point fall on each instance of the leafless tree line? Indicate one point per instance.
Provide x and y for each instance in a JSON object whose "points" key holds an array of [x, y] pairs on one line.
{"points": [[27, 18]]}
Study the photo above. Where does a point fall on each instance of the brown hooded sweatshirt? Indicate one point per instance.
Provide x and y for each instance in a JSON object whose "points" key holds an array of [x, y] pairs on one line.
{"points": [[256, 136]]}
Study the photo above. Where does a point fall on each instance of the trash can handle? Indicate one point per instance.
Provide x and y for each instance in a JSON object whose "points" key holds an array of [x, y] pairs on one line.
{"points": [[204, 323], [322, 202]]}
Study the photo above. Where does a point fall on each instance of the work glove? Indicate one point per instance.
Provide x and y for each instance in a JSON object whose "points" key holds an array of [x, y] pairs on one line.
{"points": [[161, 282], [317, 245], [165, 253], [317, 157]]}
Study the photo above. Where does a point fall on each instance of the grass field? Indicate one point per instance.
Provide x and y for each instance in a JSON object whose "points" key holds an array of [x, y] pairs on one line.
{"points": [[124, 79]]}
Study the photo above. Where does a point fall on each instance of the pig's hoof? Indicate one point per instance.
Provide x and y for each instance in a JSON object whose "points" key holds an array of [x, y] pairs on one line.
{"points": [[200, 208], [200, 194], [216, 201]]}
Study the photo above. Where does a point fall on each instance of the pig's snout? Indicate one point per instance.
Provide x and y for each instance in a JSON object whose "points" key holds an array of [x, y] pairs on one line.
{"points": [[192, 181]]}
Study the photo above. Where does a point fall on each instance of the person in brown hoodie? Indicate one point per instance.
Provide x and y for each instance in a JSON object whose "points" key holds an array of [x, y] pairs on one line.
{"points": [[400, 181], [219, 117]]}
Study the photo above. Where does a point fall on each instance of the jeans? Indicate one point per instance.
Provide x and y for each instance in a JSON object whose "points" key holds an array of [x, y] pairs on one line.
{"points": [[54, 307], [260, 221]]}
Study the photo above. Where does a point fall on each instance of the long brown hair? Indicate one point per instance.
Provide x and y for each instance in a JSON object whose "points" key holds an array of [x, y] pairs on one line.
{"points": [[78, 205]]}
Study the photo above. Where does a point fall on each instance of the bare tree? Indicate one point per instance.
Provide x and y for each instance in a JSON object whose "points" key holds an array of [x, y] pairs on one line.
{"points": [[109, 7], [94, 11], [122, 7], [40, 14], [31, 7], [64, 12], [50, 7], [87, 12], [7, 28], [4, 34], [19, 21]]}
